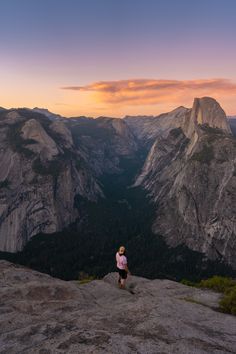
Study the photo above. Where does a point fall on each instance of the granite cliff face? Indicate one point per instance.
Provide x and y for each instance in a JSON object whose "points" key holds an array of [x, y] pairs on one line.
{"points": [[105, 142], [189, 171], [191, 176], [147, 129], [40, 314], [45, 162], [232, 123], [41, 172], [205, 111]]}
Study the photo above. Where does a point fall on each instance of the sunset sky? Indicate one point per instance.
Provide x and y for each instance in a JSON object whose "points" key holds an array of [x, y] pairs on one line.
{"points": [[117, 57]]}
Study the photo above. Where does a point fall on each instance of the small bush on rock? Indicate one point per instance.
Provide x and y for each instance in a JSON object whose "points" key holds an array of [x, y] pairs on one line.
{"points": [[228, 302], [84, 278], [188, 282], [224, 285], [218, 283]]}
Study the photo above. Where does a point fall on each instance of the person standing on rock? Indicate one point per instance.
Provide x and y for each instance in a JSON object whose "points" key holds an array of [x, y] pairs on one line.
{"points": [[122, 266]]}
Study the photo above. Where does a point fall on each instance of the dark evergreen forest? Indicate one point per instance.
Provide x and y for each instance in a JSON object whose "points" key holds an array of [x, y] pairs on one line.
{"points": [[123, 217]]}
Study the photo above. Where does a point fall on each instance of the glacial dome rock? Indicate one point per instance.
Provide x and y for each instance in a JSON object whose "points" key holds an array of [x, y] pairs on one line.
{"points": [[184, 159], [190, 176], [48, 163], [42, 143], [206, 111], [60, 128], [41, 173]]}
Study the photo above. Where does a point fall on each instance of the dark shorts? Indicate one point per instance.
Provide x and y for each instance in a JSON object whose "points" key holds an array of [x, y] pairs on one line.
{"points": [[122, 273]]}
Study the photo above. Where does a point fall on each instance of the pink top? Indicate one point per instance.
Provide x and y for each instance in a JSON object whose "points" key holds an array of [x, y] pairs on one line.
{"points": [[121, 261]]}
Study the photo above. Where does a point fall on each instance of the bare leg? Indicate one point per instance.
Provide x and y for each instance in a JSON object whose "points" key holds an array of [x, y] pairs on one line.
{"points": [[119, 281], [122, 284]]}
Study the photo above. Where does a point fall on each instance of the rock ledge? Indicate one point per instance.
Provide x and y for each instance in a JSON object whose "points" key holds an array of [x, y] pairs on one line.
{"points": [[40, 314]]}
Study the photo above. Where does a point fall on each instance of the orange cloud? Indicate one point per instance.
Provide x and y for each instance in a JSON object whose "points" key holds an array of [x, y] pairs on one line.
{"points": [[150, 92]]}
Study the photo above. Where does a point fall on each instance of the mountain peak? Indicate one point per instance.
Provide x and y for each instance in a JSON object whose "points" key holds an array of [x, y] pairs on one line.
{"points": [[47, 113], [206, 110], [178, 109]]}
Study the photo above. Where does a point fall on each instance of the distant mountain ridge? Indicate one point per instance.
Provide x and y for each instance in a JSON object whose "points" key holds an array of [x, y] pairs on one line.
{"points": [[184, 160], [47, 113], [147, 129]]}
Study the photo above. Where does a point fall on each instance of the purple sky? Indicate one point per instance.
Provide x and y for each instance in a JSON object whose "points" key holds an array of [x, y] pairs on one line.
{"points": [[50, 45]]}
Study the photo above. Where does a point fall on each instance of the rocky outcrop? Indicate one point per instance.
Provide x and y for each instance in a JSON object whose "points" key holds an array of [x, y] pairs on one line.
{"points": [[148, 128], [41, 173], [104, 142], [48, 114], [123, 142], [41, 143], [189, 173], [206, 110], [63, 133], [47, 162], [41, 314], [191, 176], [232, 123]]}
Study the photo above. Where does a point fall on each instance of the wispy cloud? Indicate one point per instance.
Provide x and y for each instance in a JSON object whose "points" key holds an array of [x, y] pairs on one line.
{"points": [[148, 92], [61, 104]]}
